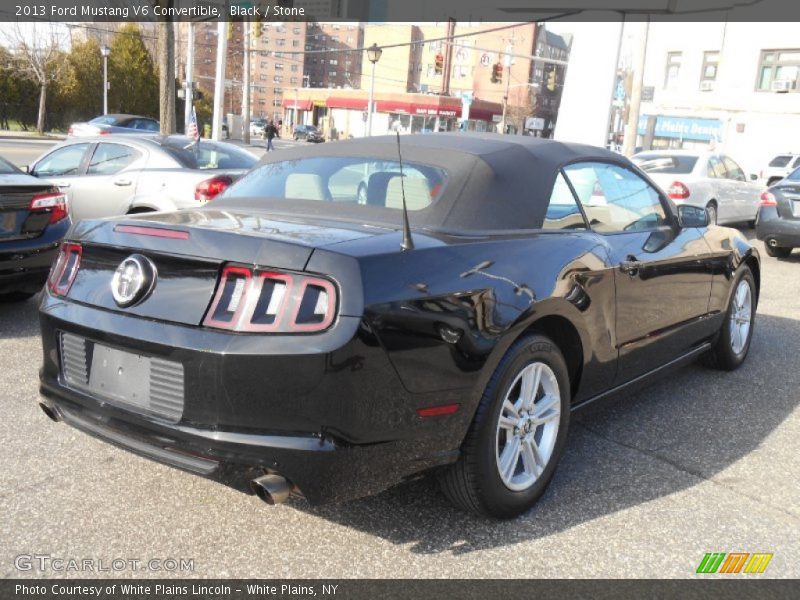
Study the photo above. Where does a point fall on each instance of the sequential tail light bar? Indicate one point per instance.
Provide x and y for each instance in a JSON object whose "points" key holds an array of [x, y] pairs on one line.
{"points": [[64, 269], [269, 301]]}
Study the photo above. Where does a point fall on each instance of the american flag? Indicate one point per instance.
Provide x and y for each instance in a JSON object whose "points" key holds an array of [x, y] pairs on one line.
{"points": [[191, 127]]}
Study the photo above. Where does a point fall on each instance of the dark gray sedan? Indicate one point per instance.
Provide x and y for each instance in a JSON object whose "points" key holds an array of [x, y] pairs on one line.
{"points": [[778, 223], [106, 124]]}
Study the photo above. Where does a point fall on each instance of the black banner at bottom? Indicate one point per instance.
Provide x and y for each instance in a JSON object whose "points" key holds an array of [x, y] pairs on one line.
{"points": [[383, 589]]}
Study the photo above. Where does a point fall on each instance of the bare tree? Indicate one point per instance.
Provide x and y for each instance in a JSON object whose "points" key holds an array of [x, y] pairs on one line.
{"points": [[166, 75], [37, 55]]}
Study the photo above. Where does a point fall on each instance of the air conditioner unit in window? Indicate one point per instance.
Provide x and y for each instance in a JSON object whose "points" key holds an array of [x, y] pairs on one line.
{"points": [[706, 86], [783, 85]]}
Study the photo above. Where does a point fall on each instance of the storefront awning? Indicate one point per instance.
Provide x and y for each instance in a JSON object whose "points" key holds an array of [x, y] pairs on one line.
{"points": [[300, 104]]}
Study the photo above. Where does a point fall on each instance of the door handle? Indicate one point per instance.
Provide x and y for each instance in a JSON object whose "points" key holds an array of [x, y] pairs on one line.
{"points": [[122, 182], [630, 266], [62, 184]]}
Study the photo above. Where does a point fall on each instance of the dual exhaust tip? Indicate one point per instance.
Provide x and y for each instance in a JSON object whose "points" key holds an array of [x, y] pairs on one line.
{"points": [[272, 489]]}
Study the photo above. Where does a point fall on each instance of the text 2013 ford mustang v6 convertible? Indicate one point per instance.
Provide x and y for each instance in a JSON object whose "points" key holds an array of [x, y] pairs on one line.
{"points": [[302, 332]]}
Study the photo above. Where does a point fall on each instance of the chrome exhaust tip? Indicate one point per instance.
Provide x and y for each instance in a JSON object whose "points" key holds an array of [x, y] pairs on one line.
{"points": [[51, 414], [272, 489]]}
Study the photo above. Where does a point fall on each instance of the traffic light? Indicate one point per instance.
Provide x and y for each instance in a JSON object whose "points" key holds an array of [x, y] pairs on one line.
{"points": [[551, 80], [439, 63], [497, 73]]}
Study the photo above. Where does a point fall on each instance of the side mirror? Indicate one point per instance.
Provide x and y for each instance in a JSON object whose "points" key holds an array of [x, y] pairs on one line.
{"points": [[692, 216], [753, 177]]}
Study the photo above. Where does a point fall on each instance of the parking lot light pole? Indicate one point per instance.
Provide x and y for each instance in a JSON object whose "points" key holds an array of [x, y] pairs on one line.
{"points": [[374, 55], [104, 52]]}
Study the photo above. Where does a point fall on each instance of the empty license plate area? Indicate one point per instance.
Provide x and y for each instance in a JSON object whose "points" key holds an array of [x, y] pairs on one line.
{"points": [[133, 381]]}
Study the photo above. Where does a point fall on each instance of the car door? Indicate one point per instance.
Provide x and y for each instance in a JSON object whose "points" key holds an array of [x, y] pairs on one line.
{"points": [[106, 189], [721, 189], [63, 167], [661, 271], [746, 195]]}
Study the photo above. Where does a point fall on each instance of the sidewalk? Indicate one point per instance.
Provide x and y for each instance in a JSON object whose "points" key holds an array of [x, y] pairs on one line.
{"points": [[31, 136]]}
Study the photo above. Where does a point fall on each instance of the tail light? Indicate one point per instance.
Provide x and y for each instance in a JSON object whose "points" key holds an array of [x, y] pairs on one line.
{"points": [[211, 188], [264, 301], [678, 191], [69, 131], [768, 199], [104, 132], [65, 269], [54, 203]]}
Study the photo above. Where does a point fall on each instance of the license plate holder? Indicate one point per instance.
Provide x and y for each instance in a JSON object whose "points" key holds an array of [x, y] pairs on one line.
{"points": [[120, 375]]}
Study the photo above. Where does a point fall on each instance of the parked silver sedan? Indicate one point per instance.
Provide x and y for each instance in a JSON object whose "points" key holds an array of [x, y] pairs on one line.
{"points": [[118, 123], [706, 179], [117, 175]]}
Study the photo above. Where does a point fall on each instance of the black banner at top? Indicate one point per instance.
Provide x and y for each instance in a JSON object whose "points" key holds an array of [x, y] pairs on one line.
{"points": [[397, 10]]}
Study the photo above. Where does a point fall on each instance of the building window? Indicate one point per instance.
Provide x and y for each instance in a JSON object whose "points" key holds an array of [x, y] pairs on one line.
{"points": [[296, 30], [293, 81], [280, 42], [277, 90], [778, 70], [331, 73], [673, 69], [710, 65], [333, 61], [279, 66], [264, 64], [295, 43], [277, 79]]}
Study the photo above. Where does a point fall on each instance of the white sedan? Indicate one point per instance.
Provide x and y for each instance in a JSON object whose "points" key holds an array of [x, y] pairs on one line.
{"points": [[706, 179]]}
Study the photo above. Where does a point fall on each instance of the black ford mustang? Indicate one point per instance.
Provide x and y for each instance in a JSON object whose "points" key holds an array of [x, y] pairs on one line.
{"points": [[292, 335]]}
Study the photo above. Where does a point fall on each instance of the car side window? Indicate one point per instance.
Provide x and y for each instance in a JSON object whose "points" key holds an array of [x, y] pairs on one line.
{"points": [[61, 162], [733, 169], [563, 211], [716, 168], [796, 162], [111, 158], [616, 199]]}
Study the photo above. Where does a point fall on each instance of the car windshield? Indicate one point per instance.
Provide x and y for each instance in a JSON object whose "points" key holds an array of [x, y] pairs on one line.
{"points": [[6, 168], [356, 181], [311, 129], [665, 163], [794, 175], [104, 120], [208, 155]]}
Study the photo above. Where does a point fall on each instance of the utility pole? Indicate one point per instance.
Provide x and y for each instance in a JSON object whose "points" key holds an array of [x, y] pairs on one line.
{"points": [[189, 97], [507, 61], [448, 57], [632, 126], [219, 81], [246, 85], [166, 75]]}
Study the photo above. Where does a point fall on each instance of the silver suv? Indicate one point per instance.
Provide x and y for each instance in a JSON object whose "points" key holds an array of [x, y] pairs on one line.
{"points": [[779, 167]]}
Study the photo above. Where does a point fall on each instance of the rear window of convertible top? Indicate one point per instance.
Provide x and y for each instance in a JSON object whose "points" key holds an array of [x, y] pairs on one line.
{"points": [[357, 181]]}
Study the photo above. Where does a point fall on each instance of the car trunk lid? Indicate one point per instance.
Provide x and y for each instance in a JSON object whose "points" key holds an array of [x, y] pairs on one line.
{"points": [[790, 207], [188, 249], [16, 219]]}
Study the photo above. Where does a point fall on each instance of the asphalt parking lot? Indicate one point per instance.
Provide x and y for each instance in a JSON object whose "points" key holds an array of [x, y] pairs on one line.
{"points": [[700, 462]]}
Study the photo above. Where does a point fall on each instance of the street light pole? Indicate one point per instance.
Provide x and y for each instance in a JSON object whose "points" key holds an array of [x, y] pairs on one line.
{"points": [[374, 55], [104, 52]]}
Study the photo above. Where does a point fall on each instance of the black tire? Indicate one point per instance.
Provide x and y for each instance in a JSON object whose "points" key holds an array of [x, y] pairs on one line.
{"points": [[474, 483], [16, 296], [776, 251], [711, 208], [722, 356]]}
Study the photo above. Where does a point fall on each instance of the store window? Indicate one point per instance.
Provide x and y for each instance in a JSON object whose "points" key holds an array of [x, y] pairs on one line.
{"points": [[778, 71]]}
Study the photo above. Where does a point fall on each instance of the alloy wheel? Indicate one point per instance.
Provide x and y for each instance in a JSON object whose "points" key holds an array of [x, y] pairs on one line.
{"points": [[741, 316], [527, 426]]}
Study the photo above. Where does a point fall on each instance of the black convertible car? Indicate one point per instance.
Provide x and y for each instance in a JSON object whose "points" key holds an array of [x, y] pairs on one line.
{"points": [[295, 336]]}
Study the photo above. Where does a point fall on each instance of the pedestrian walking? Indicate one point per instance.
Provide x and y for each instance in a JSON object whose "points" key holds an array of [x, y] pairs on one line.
{"points": [[271, 132]]}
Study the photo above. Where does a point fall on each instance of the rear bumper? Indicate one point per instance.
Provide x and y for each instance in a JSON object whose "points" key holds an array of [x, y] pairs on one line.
{"points": [[336, 423], [25, 264], [771, 226]]}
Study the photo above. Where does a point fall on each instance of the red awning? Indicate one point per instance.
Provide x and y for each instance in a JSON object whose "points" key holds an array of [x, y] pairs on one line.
{"points": [[301, 104], [348, 103]]}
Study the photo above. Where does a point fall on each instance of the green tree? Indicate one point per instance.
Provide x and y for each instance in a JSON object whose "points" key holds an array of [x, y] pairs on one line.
{"points": [[79, 88], [132, 75]]}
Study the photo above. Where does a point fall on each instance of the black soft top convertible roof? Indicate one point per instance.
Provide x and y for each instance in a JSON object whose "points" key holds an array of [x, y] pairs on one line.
{"points": [[494, 182]]}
